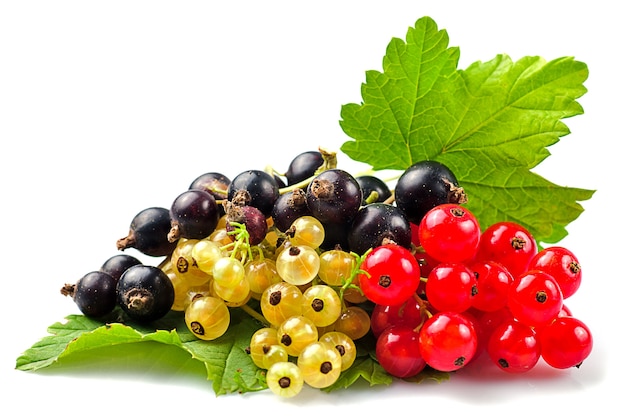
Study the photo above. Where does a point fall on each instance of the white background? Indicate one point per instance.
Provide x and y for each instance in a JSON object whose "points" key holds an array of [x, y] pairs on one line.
{"points": [[110, 107]]}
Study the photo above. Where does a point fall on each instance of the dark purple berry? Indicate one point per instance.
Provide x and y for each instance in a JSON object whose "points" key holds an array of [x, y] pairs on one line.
{"points": [[116, 265], [334, 197], [371, 184], [148, 233], [289, 207], [94, 293], [254, 221], [376, 223], [423, 186], [303, 166], [145, 293], [254, 188], [194, 215]]}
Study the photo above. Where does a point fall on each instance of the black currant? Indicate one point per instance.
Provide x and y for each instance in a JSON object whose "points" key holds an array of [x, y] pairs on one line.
{"points": [[423, 186], [303, 166], [214, 183], [334, 196], [371, 184], [194, 215], [288, 207], [118, 264], [253, 219], [145, 293], [377, 222], [336, 236], [94, 293], [148, 233], [255, 188]]}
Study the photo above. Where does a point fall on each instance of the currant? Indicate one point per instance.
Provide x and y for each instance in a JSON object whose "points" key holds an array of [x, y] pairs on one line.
{"points": [[449, 233], [378, 223], [281, 301], [514, 347], [288, 207], [194, 215], [410, 313], [566, 342], [320, 363], [145, 293], [424, 185], [252, 218], [336, 266], [255, 188], [447, 341], [275, 354], [184, 264], [509, 244], [451, 287], [343, 344], [303, 166], [298, 265], [374, 189], [207, 317], [492, 283], [398, 351], [306, 230], [118, 264], [562, 264], [260, 343], [285, 379], [535, 298], [295, 333], [261, 273], [233, 295], [334, 196], [205, 253], [390, 275], [94, 293], [228, 272], [354, 321], [212, 182], [148, 233], [321, 304]]}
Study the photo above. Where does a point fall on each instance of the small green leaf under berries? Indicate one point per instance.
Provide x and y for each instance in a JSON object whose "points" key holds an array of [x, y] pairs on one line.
{"points": [[490, 123]]}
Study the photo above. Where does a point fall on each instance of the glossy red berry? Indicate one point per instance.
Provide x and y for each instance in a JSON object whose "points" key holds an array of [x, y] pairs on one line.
{"points": [[448, 341], [566, 342], [451, 287], [561, 264], [535, 298], [449, 233], [492, 283], [390, 275], [514, 347], [397, 351], [509, 244]]}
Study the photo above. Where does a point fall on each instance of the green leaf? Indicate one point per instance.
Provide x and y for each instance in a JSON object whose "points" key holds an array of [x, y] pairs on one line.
{"points": [[226, 362], [491, 124]]}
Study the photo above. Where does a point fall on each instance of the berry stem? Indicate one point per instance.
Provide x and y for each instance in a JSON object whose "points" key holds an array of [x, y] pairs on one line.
{"points": [[254, 314]]}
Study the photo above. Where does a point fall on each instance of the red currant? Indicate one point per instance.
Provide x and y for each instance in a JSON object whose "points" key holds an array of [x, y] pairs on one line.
{"points": [[447, 341], [513, 347], [562, 264], [566, 342], [391, 275], [449, 233], [397, 351], [535, 298], [509, 244], [451, 287], [492, 284], [408, 313]]}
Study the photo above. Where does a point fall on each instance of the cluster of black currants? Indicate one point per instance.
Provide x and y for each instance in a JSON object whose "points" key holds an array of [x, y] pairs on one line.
{"points": [[143, 292], [357, 214]]}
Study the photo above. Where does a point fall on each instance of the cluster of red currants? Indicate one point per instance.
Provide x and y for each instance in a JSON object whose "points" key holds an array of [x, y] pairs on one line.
{"points": [[492, 292]]}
